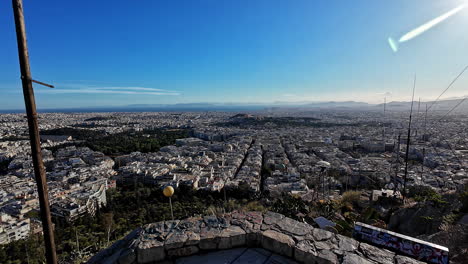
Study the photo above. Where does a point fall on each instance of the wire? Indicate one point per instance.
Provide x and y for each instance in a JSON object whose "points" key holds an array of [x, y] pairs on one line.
{"points": [[448, 87], [453, 108]]}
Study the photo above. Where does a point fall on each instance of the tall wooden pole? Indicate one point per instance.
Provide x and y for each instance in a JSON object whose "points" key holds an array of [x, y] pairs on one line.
{"points": [[29, 101]]}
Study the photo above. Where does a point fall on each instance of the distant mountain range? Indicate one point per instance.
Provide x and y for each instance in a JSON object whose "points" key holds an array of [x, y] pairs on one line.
{"points": [[442, 105]]}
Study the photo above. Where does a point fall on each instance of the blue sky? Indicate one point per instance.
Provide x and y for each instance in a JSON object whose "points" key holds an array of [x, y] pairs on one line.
{"points": [[111, 53]]}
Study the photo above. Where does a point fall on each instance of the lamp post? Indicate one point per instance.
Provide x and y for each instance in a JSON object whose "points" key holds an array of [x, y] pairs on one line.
{"points": [[168, 192]]}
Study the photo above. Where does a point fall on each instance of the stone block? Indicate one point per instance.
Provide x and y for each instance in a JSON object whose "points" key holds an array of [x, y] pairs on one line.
{"points": [[252, 239], [294, 227], [351, 258], [209, 238], [175, 240], [193, 238], [376, 254], [320, 234], [271, 218], [305, 252], [327, 257], [233, 236], [326, 245], [347, 244], [182, 252], [150, 254], [406, 260], [277, 242]]}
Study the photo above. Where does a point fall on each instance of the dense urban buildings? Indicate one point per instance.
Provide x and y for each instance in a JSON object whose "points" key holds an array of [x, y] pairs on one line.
{"points": [[263, 154]]}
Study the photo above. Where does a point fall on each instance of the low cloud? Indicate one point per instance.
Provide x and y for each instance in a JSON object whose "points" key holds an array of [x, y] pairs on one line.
{"points": [[386, 94], [88, 89]]}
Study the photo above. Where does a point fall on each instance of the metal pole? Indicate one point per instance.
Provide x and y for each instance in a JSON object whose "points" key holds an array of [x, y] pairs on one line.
{"points": [[424, 146], [408, 142], [29, 101], [419, 106], [323, 184], [384, 110], [170, 204], [397, 167]]}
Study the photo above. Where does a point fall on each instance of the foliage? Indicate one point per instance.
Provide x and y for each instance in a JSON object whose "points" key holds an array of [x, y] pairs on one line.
{"points": [[369, 215], [282, 122], [349, 200], [464, 200], [99, 118], [30, 251], [4, 166], [425, 193], [254, 206], [290, 206], [150, 140], [426, 218]]}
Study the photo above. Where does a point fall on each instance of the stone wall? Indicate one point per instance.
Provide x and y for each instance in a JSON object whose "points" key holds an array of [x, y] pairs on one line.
{"points": [[274, 232]]}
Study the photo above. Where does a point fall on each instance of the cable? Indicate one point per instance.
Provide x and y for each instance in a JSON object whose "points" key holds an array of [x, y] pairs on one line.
{"points": [[448, 87], [453, 108]]}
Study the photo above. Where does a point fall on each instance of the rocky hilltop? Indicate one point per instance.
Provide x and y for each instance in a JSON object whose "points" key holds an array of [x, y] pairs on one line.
{"points": [[170, 240]]}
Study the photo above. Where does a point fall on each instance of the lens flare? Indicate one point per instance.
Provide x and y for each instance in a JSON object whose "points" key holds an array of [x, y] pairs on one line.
{"points": [[423, 28]]}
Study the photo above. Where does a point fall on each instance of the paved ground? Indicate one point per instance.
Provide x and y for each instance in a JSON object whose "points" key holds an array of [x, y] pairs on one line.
{"points": [[237, 256]]}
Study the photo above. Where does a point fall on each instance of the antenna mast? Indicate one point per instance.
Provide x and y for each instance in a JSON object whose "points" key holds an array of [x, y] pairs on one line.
{"points": [[408, 141], [424, 144], [383, 123]]}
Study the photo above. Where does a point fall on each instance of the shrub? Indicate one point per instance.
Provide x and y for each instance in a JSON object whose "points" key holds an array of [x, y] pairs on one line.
{"points": [[349, 200]]}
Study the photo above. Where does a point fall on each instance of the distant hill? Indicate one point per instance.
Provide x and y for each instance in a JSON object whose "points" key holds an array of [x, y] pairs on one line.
{"points": [[441, 105]]}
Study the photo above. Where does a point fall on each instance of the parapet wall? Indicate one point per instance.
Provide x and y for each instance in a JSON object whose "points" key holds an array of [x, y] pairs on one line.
{"points": [[282, 235]]}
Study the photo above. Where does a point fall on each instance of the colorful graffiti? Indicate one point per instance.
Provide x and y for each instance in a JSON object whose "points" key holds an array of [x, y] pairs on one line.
{"points": [[399, 243]]}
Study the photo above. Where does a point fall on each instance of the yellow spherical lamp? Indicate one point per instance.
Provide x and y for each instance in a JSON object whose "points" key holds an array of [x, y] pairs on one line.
{"points": [[168, 191]]}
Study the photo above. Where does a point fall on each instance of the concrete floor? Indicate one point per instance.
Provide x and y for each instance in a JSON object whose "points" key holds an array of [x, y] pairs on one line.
{"points": [[237, 256]]}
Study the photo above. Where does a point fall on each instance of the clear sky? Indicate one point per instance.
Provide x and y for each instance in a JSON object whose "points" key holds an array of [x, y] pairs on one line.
{"points": [[111, 53]]}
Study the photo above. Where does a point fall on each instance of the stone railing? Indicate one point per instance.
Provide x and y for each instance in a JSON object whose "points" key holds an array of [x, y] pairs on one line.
{"points": [[274, 232]]}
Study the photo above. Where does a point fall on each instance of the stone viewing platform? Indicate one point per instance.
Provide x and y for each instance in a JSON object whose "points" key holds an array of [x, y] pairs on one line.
{"points": [[296, 242]]}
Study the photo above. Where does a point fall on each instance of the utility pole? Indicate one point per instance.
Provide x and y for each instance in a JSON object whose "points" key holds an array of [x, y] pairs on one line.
{"points": [[397, 169], [424, 145], [383, 132], [39, 170], [408, 142], [417, 122]]}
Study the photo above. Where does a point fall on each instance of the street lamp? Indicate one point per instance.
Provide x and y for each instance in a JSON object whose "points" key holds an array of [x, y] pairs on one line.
{"points": [[168, 192]]}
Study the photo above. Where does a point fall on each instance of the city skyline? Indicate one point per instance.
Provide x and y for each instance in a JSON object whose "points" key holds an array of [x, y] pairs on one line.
{"points": [[262, 52]]}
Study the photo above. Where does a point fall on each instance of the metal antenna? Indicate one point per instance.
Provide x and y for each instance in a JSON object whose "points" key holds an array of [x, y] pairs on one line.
{"points": [[417, 122], [424, 142], [383, 123], [397, 167], [30, 102], [408, 141]]}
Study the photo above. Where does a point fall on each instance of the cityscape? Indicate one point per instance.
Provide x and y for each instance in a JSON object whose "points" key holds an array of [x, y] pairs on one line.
{"points": [[261, 156], [236, 132]]}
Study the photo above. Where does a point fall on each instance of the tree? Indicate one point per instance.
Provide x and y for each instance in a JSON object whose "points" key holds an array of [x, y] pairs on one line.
{"points": [[107, 221]]}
